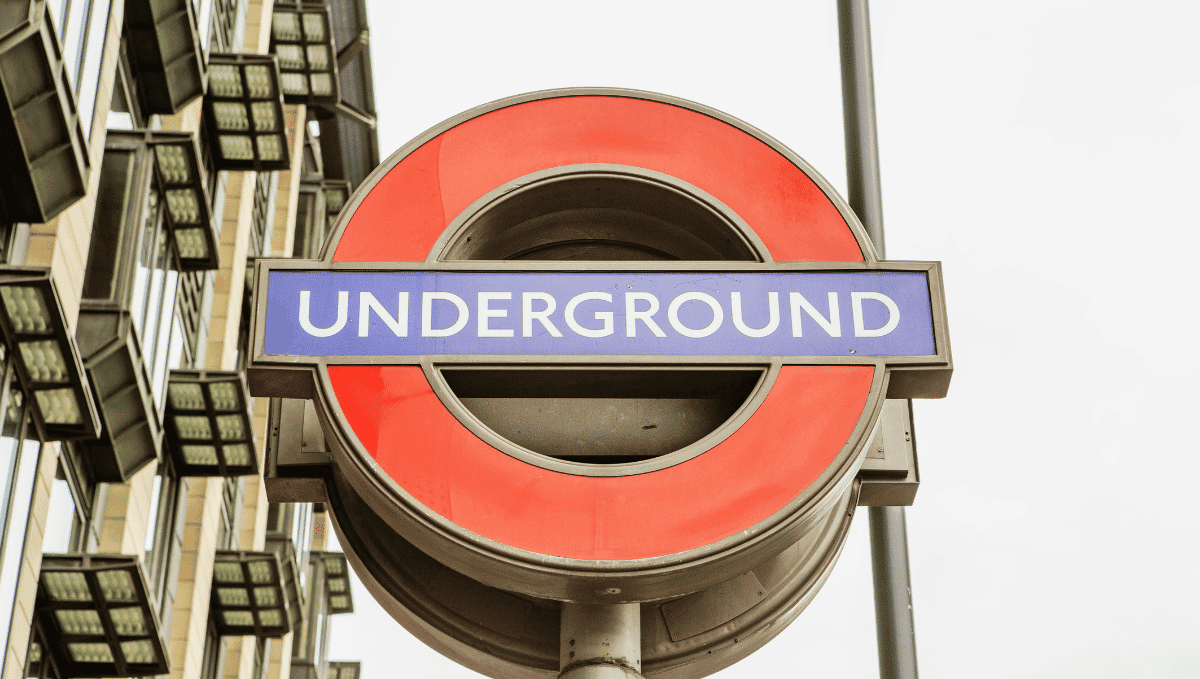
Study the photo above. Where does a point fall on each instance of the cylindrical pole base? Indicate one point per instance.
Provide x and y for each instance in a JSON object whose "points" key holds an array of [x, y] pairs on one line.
{"points": [[599, 672], [600, 641], [893, 594]]}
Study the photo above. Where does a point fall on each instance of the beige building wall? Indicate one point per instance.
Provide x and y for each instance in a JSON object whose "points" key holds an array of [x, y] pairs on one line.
{"points": [[62, 243], [189, 622], [31, 565], [62, 246], [280, 658]]}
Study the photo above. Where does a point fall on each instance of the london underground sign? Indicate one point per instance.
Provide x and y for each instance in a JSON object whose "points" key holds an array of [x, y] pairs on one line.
{"points": [[598, 247], [730, 313]]}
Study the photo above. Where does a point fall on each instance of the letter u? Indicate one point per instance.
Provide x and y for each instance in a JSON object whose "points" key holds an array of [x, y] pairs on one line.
{"points": [[342, 314]]}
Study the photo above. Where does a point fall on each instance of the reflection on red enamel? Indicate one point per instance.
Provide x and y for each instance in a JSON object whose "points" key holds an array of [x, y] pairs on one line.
{"points": [[797, 431]]}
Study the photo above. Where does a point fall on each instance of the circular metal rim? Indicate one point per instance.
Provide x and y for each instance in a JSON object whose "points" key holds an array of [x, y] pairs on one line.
{"points": [[559, 577], [476, 647], [466, 219], [572, 579]]}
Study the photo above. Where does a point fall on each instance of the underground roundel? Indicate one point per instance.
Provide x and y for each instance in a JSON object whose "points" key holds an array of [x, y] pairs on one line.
{"points": [[597, 331]]}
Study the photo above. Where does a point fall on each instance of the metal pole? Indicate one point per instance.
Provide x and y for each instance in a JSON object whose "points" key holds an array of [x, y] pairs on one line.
{"points": [[889, 539], [600, 641]]}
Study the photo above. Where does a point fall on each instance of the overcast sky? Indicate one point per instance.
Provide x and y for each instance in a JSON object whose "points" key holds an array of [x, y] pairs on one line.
{"points": [[1045, 152]]}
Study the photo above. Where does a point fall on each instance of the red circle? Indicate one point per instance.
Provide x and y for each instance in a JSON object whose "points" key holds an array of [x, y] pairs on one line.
{"points": [[794, 435], [407, 210]]}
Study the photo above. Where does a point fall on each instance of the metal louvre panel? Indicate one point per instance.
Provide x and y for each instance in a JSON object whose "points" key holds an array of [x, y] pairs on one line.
{"points": [[44, 165], [165, 53], [96, 617], [350, 147], [209, 424], [248, 596], [47, 358]]}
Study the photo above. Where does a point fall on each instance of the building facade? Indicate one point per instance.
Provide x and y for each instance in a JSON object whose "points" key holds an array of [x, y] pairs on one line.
{"points": [[150, 150]]}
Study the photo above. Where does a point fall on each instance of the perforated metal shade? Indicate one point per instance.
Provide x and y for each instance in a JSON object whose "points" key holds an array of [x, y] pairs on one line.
{"points": [[44, 163], [208, 424], [337, 194], [349, 141], [320, 203], [96, 617], [248, 596], [289, 561], [243, 111], [44, 352], [337, 581], [302, 38], [184, 184], [344, 669]]}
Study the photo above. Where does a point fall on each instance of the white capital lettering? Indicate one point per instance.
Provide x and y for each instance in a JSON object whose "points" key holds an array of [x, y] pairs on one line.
{"points": [[528, 315], [832, 325], [342, 313], [673, 314], [605, 317], [486, 312], [368, 303], [427, 329], [856, 299], [772, 322], [632, 315]]}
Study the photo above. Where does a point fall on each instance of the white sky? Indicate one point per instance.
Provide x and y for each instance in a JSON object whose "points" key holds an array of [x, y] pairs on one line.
{"points": [[1045, 152]]}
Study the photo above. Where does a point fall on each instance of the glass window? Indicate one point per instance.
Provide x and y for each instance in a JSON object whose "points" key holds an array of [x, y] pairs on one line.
{"points": [[302, 528], [230, 512], [82, 26], [9, 459], [20, 456], [321, 638], [305, 244], [147, 247], [164, 538], [68, 524], [160, 357], [155, 514], [300, 636], [214, 654], [62, 520], [121, 112], [228, 25], [72, 32], [155, 285], [93, 53], [262, 657], [15, 497], [204, 21], [58, 10]]}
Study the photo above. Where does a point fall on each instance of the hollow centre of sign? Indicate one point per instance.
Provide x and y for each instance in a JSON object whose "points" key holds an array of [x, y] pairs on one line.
{"points": [[610, 416], [600, 213]]}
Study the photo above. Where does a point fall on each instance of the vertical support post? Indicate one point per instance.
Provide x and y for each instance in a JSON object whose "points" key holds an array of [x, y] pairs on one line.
{"points": [[889, 539], [893, 594], [600, 641]]}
